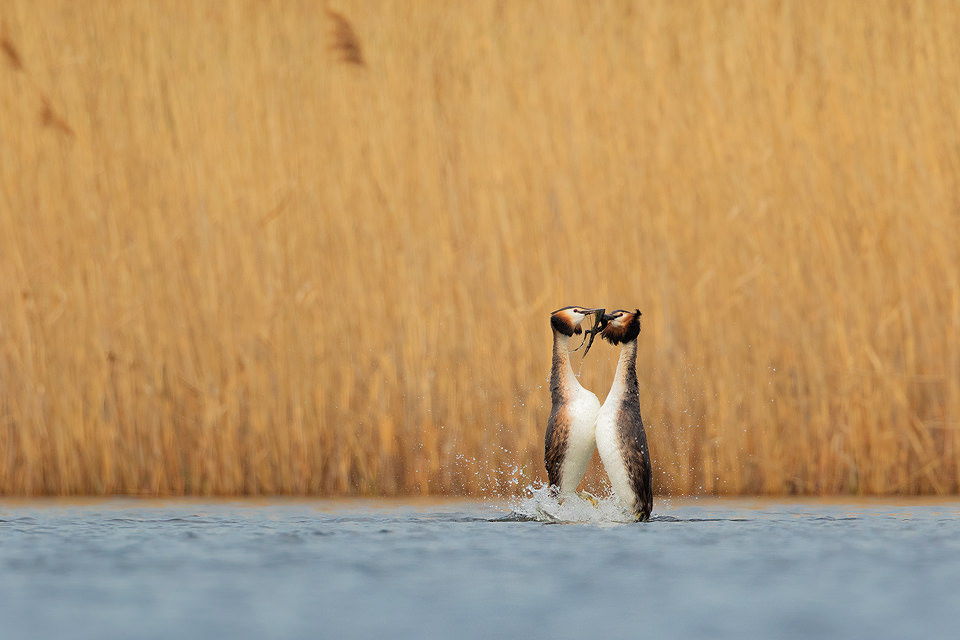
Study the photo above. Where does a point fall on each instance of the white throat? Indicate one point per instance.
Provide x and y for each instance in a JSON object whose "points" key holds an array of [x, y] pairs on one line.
{"points": [[562, 346], [628, 356]]}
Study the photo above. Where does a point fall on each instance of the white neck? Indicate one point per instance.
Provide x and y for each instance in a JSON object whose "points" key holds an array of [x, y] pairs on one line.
{"points": [[626, 365], [561, 373]]}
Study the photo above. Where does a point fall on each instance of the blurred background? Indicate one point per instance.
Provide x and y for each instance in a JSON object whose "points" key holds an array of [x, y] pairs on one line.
{"points": [[253, 247]]}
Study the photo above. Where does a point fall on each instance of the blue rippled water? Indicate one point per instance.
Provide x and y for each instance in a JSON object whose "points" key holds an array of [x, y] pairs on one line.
{"points": [[363, 569]]}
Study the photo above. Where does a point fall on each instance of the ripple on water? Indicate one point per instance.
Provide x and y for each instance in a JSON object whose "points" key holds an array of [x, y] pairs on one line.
{"points": [[721, 569]]}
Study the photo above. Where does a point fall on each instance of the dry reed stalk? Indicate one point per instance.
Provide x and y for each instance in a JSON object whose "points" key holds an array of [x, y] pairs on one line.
{"points": [[250, 273]]}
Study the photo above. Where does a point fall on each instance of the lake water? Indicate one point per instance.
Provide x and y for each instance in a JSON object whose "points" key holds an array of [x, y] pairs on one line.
{"points": [[415, 569]]}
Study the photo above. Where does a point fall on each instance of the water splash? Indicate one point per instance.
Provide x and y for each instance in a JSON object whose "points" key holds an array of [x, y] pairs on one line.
{"points": [[539, 504], [494, 481]]}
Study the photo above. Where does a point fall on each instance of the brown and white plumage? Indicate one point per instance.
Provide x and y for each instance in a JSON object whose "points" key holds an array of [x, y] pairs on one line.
{"points": [[570, 440], [620, 436]]}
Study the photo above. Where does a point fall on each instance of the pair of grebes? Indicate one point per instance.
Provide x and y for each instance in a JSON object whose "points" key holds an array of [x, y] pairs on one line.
{"points": [[579, 423]]}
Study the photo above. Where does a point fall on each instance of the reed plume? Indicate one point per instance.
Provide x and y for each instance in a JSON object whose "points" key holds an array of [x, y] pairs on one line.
{"points": [[11, 54], [345, 41]]}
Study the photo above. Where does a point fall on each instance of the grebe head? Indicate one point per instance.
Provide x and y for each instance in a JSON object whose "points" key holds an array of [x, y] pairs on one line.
{"points": [[567, 320], [620, 326]]}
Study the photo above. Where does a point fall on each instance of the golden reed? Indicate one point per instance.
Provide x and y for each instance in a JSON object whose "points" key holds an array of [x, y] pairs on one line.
{"points": [[259, 248]]}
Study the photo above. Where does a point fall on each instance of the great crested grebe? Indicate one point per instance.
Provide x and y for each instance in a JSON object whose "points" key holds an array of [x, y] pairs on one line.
{"points": [[620, 437], [570, 440]]}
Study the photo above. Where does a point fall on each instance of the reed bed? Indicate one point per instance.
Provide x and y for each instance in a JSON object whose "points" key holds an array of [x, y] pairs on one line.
{"points": [[294, 248]]}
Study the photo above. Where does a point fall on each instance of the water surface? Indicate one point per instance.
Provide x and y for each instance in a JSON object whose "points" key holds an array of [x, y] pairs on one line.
{"points": [[332, 569]]}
